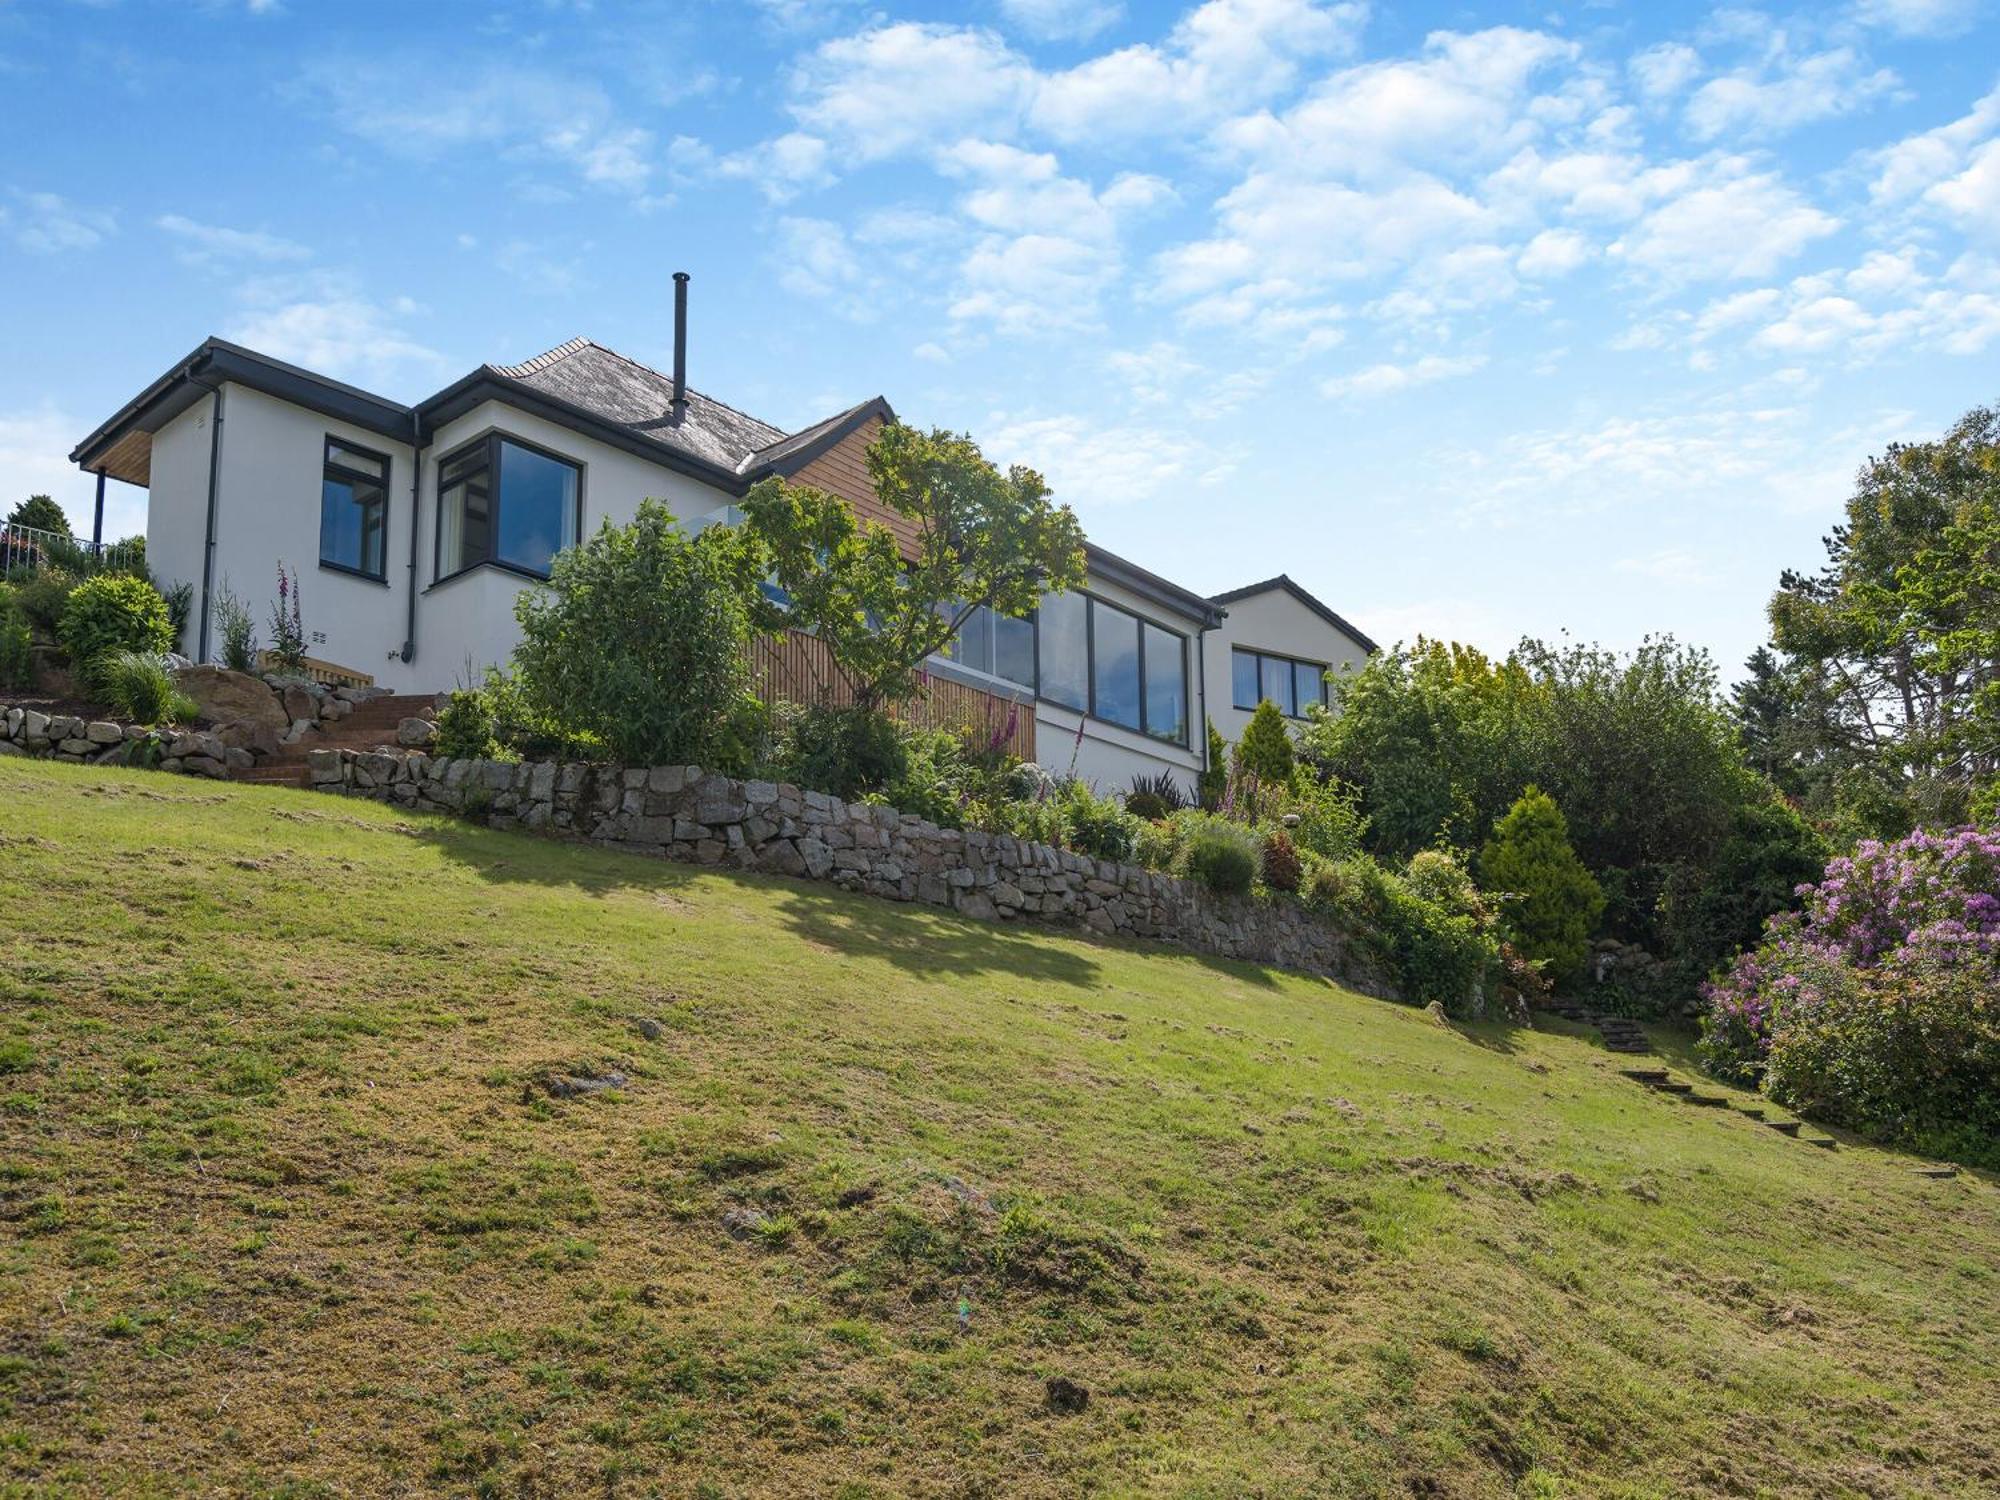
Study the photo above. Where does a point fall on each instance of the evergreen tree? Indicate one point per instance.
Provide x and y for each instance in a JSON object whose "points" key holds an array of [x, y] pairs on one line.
{"points": [[40, 513], [1213, 782], [1555, 901], [1265, 751]]}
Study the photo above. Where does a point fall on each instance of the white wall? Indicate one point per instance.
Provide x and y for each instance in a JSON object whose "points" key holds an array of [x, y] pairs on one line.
{"points": [[1276, 622], [466, 623], [177, 503]]}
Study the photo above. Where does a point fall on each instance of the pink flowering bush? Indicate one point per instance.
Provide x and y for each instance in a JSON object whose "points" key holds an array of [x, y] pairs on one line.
{"points": [[1877, 1007]]}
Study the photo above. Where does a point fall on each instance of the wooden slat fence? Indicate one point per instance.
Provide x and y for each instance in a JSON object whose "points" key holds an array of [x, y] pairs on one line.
{"points": [[795, 668]]}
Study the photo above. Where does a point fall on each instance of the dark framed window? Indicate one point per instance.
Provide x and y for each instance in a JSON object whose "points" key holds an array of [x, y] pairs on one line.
{"points": [[507, 502], [1112, 665], [354, 510], [1293, 685], [996, 644]]}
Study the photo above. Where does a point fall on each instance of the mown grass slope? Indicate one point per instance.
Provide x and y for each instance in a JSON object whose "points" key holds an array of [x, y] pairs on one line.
{"points": [[285, 1207]]}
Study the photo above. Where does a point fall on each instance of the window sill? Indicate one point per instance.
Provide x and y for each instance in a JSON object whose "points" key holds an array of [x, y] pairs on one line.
{"points": [[356, 573]]}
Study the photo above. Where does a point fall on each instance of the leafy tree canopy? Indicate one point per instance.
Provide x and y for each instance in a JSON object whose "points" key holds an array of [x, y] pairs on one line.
{"points": [[982, 538]]}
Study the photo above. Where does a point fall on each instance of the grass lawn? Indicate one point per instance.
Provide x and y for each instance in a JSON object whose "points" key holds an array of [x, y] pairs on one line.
{"points": [[286, 1207]]}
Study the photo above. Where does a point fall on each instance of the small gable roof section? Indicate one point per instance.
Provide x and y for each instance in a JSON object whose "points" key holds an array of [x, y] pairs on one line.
{"points": [[1284, 584], [833, 456]]}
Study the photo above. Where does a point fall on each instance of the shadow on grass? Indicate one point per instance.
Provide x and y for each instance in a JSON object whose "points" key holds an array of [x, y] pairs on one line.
{"points": [[926, 941], [918, 939]]}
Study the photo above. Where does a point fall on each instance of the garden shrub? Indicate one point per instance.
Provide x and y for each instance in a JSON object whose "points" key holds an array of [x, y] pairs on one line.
{"points": [[111, 613], [1281, 861], [1330, 821], [1220, 855], [844, 752], [139, 686], [17, 662], [465, 727], [1265, 751], [1552, 902], [1155, 797], [237, 629], [1098, 826], [1872, 1007], [1213, 780], [639, 639], [42, 597]]}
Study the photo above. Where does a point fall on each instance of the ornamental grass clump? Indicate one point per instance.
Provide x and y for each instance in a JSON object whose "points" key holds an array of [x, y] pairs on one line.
{"points": [[1877, 1007]]}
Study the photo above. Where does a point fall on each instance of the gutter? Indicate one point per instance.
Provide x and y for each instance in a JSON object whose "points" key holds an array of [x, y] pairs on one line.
{"points": [[417, 446], [214, 487]]}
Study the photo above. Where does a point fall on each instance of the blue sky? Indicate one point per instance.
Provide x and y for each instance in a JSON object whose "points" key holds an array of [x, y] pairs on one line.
{"points": [[1479, 320]]}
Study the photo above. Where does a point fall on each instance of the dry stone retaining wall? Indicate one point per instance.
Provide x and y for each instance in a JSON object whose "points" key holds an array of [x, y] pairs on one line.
{"points": [[28, 731], [684, 813]]}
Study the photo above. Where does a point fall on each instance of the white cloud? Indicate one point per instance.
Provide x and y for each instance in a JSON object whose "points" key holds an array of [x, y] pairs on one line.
{"points": [[1918, 162], [1089, 465], [782, 167], [327, 324], [1972, 198], [1465, 98], [1552, 253], [1672, 565], [1665, 70], [1223, 56], [815, 259], [1737, 223], [1050, 242], [1387, 379], [908, 86], [1781, 92], [208, 244], [529, 114], [1925, 18], [52, 225], [1061, 20]]}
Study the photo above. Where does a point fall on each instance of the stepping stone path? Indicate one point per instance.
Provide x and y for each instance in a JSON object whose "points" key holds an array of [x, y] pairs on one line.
{"points": [[1660, 1081]]}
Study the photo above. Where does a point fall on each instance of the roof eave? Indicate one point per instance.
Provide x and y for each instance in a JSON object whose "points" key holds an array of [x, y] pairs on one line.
{"points": [[1150, 586], [1284, 583]]}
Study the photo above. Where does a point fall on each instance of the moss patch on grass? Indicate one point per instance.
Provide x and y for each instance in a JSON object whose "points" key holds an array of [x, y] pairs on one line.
{"points": [[285, 1207]]}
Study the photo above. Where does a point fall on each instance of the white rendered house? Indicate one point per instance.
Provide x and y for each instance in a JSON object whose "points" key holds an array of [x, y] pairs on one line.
{"points": [[415, 527], [1280, 643]]}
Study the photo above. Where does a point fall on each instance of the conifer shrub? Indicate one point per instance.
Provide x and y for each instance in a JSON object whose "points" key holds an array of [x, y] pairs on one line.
{"points": [[1550, 902], [1265, 751]]}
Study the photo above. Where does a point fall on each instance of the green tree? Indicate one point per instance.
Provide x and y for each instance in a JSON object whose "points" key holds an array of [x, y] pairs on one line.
{"points": [[639, 640], [983, 540], [1898, 634], [1434, 739], [40, 513], [1555, 901], [1265, 751]]}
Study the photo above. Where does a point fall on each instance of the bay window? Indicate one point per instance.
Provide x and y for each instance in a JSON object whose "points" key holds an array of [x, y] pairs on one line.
{"points": [[504, 501]]}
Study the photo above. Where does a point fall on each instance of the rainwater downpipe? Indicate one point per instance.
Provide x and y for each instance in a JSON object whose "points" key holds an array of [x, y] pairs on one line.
{"points": [[214, 490], [417, 445]]}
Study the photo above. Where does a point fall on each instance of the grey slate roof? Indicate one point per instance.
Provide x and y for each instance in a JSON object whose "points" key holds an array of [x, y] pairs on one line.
{"points": [[638, 397]]}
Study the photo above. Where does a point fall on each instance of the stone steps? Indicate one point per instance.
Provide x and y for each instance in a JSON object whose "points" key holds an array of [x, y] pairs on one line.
{"points": [[370, 726]]}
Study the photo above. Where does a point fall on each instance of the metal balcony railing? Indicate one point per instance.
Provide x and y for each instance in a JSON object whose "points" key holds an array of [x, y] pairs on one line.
{"points": [[26, 550]]}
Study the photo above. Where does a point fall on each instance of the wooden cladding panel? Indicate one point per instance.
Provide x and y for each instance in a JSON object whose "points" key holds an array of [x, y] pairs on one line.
{"points": [[795, 668], [843, 470]]}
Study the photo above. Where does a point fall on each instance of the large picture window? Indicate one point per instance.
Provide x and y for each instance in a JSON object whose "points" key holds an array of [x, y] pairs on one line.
{"points": [[353, 509], [1293, 685], [504, 501], [1114, 666], [996, 644]]}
